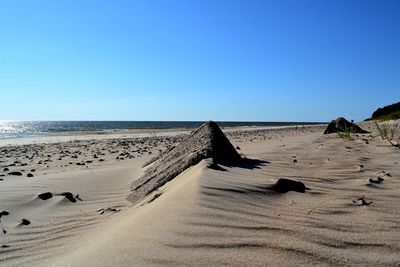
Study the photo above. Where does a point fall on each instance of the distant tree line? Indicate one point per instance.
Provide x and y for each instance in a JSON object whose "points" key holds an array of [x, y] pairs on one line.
{"points": [[391, 112]]}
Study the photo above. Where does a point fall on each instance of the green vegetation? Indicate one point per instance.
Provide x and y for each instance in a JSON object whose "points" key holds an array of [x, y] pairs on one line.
{"points": [[345, 135], [389, 132], [391, 112]]}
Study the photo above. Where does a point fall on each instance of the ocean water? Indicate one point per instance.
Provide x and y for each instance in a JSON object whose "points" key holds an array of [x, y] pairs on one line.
{"points": [[34, 128]]}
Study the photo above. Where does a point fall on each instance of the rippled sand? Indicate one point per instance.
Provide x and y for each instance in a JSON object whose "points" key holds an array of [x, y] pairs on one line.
{"points": [[206, 216]]}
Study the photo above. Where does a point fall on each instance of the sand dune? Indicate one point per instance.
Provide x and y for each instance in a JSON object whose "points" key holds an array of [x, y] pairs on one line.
{"points": [[222, 216]]}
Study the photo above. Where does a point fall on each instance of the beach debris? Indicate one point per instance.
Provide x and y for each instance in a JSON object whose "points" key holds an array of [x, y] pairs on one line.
{"points": [[379, 179], [25, 222], [3, 213], [315, 207], [45, 196], [16, 173], [286, 185], [114, 210], [207, 141], [362, 201], [343, 125]]}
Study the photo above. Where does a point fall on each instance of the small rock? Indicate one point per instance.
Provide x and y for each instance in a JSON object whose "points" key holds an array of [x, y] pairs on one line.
{"points": [[29, 175], [6, 169], [15, 173], [25, 222], [378, 180], [69, 196], [4, 213], [286, 185], [45, 196]]}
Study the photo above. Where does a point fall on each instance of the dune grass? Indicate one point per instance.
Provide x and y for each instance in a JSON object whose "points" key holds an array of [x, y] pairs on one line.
{"points": [[346, 135], [389, 132]]}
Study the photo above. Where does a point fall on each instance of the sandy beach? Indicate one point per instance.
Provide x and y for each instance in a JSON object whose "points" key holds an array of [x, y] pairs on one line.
{"points": [[200, 133], [204, 216]]}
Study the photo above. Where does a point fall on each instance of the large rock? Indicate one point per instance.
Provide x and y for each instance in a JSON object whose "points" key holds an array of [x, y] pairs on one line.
{"points": [[343, 125], [207, 141]]}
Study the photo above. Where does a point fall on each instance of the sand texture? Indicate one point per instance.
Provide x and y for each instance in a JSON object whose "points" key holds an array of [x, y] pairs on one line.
{"points": [[208, 141], [209, 214]]}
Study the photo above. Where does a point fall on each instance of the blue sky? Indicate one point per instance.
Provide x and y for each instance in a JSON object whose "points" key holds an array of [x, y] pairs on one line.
{"points": [[283, 60]]}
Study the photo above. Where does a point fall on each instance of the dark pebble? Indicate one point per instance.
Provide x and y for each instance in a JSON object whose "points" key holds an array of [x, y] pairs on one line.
{"points": [[286, 185], [4, 213], [15, 173], [45, 196], [25, 222], [69, 196]]}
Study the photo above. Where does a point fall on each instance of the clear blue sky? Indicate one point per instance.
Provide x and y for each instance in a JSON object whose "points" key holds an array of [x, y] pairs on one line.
{"points": [[198, 60]]}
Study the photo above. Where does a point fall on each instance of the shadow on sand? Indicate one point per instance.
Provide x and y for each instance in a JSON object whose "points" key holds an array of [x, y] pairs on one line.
{"points": [[244, 163]]}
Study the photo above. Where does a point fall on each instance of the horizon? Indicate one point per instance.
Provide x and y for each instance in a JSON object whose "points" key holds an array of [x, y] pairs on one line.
{"points": [[2, 121], [253, 61]]}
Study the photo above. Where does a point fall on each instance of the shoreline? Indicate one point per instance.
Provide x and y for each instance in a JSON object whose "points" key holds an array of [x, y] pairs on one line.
{"points": [[62, 137]]}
